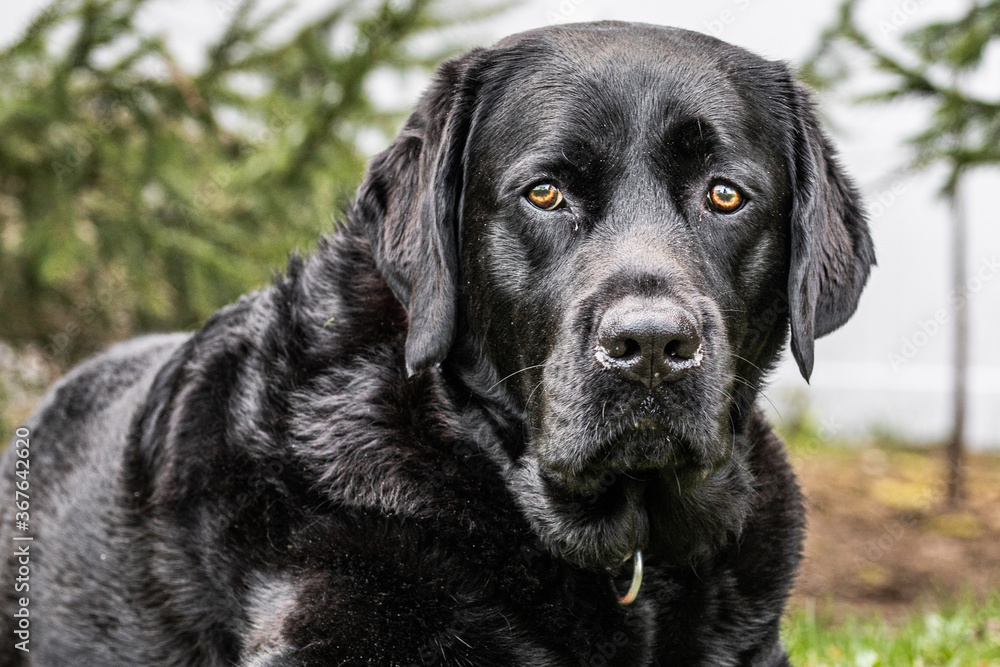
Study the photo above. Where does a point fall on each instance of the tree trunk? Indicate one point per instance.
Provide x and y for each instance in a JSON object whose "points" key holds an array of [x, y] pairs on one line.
{"points": [[956, 445]]}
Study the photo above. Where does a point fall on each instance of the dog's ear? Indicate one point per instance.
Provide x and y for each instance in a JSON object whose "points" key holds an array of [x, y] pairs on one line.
{"points": [[409, 204], [831, 249]]}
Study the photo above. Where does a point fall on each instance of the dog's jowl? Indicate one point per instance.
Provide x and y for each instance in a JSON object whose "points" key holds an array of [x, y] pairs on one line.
{"points": [[506, 415]]}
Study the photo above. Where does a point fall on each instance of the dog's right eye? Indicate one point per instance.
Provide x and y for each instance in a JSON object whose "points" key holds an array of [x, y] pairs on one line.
{"points": [[545, 196]]}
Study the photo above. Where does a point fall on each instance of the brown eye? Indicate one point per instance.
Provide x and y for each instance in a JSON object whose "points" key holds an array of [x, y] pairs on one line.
{"points": [[724, 198], [545, 196]]}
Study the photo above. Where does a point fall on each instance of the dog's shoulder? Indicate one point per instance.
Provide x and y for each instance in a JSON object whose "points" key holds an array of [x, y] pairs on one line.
{"points": [[302, 388], [96, 383], [91, 406]]}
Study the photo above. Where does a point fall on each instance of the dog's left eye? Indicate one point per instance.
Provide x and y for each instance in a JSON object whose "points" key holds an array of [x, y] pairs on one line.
{"points": [[545, 196], [724, 198]]}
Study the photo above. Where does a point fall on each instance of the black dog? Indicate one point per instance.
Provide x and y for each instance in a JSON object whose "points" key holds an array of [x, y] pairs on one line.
{"points": [[532, 351]]}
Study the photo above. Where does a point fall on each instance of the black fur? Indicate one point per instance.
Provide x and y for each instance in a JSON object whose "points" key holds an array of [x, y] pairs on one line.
{"points": [[405, 452]]}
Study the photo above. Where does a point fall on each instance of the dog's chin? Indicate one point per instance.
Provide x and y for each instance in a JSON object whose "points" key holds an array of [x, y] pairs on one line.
{"points": [[675, 516]]}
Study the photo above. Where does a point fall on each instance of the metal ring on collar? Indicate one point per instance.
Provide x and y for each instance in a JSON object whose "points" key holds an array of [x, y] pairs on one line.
{"points": [[633, 590]]}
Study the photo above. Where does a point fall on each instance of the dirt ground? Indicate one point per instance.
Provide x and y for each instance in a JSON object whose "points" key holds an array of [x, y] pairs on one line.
{"points": [[880, 538]]}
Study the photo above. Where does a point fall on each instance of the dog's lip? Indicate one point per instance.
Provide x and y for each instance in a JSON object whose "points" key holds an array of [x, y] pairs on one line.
{"points": [[597, 479], [638, 454]]}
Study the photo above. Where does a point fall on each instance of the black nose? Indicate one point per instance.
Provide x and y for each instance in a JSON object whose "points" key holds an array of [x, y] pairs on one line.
{"points": [[650, 344]]}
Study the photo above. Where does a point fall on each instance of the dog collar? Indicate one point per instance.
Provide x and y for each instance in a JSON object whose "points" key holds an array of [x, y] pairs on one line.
{"points": [[633, 590]]}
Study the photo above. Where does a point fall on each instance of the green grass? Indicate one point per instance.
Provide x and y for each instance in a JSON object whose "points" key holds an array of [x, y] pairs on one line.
{"points": [[966, 634]]}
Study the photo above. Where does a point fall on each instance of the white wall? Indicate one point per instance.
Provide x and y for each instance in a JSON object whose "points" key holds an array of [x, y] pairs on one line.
{"points": [[856, 385]]}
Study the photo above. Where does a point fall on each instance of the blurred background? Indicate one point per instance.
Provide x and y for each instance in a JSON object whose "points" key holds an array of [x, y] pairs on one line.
{"points": [[158, 158]]}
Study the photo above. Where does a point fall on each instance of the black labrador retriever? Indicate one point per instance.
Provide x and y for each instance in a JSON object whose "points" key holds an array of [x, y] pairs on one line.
{"points": [[505, 416]]}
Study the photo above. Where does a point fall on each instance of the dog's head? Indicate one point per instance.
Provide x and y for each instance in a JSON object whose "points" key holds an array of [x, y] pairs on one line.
{"points": [[607, 229]]}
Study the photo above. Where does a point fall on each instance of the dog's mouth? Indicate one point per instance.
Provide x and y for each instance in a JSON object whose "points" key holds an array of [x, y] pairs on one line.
{"points": [[639, 446], [592, 483], [611, 469]]}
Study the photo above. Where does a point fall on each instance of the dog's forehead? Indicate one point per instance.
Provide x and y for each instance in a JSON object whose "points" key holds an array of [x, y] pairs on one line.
{"points": [[640, 40], [610, 77]]}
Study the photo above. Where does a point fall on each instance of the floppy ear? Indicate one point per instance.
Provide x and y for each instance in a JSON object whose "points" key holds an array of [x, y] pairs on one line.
{"points": [[409, 204], [831, 249]]}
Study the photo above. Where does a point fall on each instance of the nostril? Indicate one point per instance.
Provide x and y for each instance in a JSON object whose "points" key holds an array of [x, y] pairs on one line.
{"points": [[681, 349], [623, 348]]}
